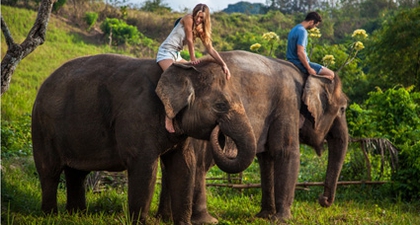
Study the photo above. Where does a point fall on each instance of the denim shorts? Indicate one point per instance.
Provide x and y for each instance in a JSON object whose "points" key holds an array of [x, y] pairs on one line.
{"points": [[313, 65], [167, 54]]}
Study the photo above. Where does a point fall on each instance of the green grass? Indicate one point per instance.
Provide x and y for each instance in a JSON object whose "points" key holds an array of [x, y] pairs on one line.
{"points": [[21, 200]]}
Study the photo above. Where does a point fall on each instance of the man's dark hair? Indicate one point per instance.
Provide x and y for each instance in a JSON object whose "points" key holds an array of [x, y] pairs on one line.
{"points": [[313, 16]]}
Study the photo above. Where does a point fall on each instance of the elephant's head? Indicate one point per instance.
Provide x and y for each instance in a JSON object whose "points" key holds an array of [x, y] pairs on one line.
{"points": [[323, 108], [201, 102]]}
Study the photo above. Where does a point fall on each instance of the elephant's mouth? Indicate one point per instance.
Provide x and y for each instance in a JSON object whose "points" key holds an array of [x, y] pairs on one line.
{"points": [[223, 143]]}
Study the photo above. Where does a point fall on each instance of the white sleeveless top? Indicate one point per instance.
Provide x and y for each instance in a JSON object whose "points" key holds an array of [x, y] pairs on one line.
{"points": [[175, 40]]}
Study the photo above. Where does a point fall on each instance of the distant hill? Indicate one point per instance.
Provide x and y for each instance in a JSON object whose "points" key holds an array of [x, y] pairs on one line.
{"points": [[246, 7]]}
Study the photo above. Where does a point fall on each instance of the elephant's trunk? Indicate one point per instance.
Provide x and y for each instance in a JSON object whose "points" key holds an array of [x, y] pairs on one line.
{"points": [[244, 139], [337, 147]]}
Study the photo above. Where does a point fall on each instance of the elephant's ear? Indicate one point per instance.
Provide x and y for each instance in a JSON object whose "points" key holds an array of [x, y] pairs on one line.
{"points": [[316, 96], [185, 66], [175, 89]]}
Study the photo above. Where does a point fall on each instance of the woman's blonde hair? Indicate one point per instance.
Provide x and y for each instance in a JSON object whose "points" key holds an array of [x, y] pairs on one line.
{"points": [[203, 30]]}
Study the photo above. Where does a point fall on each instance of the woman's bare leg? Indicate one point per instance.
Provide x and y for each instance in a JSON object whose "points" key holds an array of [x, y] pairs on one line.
{"points": [[169, 125], [164, 64]]}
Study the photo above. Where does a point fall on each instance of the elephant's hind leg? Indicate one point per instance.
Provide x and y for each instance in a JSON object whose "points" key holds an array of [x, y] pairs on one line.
{"points": [[49, 170], [75, 182], [49, 185]]}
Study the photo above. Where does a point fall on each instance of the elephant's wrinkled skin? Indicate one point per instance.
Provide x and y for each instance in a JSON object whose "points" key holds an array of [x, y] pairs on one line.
{"points": [[103, 113], [273, 95]]}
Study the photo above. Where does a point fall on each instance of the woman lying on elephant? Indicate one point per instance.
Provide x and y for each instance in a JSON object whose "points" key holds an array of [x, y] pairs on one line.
{"points": [[185, 32]]}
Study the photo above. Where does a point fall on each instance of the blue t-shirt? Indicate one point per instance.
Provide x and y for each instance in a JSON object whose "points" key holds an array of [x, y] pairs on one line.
{"points": [[297, 36]]}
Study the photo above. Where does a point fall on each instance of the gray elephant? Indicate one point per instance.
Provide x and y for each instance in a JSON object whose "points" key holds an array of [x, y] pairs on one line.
{"points": [[103, 112], [274, 96]]}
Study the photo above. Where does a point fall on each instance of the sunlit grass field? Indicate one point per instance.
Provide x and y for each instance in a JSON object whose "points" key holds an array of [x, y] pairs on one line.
{"points": [[20, 187], [21, 202]]}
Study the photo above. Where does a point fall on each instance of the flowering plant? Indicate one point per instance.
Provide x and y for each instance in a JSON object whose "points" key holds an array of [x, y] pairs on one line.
{"points": [[356, 46], [255, 47], [359, 34], [314, 33], [328, 60], [272, 39]]}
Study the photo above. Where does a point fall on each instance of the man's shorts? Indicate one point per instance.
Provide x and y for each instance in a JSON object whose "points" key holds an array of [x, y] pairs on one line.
{"points": [[313, 65], [167, 54]]}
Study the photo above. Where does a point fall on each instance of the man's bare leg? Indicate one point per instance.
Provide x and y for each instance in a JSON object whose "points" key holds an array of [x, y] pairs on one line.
{"points": [[325, 72]]}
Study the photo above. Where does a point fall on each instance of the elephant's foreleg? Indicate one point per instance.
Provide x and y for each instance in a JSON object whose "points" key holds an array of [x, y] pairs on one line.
{"points": [[141, 185], [284, 147], [286, 169], [164, 211], [180, 174], [266, 164], [75, 183], [200, 214]]}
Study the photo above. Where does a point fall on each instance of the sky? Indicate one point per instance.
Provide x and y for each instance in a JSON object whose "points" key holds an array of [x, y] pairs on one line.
{"points": [[214, 5]]}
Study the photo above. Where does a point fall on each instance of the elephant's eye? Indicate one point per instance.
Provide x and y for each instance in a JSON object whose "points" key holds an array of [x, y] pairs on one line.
{"points": [[221, 107]]}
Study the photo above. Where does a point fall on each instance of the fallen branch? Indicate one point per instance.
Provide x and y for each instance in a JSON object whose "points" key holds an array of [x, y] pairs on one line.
{"points": [[304, 184]]}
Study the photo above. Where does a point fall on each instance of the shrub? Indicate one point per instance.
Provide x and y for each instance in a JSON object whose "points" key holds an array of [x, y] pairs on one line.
{"points": [[90, 19], [393, 114], [120, 32], [406, 180]]}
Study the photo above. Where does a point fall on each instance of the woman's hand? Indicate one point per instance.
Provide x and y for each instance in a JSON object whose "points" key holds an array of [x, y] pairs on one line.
{"points": [[195, 62], [226, 71]]}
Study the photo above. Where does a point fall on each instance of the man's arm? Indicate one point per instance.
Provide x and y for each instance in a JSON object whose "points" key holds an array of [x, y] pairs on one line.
{"points": [[302, 57]]}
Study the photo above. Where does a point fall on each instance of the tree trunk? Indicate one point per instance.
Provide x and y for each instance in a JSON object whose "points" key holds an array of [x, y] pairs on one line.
{"points": [[16, 52]]}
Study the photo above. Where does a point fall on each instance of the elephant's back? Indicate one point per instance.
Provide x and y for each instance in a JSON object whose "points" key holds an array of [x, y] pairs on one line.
{"points": [[100, 69], [83, 84]]}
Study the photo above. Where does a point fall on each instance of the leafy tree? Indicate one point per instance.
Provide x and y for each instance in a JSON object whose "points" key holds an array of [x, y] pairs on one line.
{"points": [[394, 54], [155, 6], [293, 6], [372, 8]]}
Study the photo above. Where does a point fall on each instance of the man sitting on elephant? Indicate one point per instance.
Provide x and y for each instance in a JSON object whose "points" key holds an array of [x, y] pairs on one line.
{"points": [[297, 41]]}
